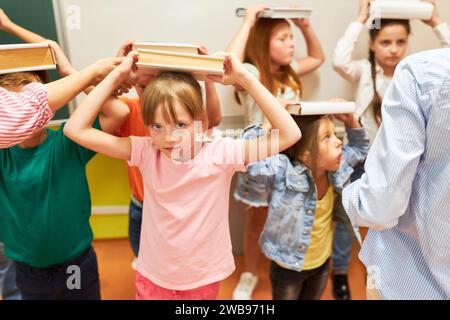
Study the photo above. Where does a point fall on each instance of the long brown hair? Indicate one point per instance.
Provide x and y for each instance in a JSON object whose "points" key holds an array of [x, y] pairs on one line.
{"points": [[309, 126], [257, 52], [377, 101]]}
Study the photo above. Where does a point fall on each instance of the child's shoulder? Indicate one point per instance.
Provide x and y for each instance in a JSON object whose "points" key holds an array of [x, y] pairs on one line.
{"points": [[132, 103]]}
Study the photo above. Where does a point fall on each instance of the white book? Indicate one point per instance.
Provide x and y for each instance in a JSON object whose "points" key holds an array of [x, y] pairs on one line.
{"points": [[309, 108], [279, 13], [400, 9], [26, 57]]}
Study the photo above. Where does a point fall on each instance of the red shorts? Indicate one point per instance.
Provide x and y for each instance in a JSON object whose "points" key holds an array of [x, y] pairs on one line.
{"points": [[147, 290]]}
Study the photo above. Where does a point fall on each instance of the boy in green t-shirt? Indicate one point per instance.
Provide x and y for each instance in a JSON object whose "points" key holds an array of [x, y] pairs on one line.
{"points": [[45, 207]]}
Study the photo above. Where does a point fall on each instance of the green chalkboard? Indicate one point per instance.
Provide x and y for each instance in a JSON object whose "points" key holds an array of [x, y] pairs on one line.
{"points": [[37, 16]]}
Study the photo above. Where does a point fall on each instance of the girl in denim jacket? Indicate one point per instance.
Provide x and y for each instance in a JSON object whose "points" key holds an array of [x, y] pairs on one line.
{"points": [[302, 184]]}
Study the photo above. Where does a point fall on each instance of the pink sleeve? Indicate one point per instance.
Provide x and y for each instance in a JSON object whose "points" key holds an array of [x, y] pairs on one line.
{"points": [[22, 113], [140, 149], [230, 153]]}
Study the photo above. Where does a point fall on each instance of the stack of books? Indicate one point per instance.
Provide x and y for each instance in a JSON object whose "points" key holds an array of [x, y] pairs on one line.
{"points": [[155, 58]]}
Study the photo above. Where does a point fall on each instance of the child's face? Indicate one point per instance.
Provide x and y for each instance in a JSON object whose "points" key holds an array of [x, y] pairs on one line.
{"points": [[176, 140], [390, 46], [330, 147], [281, 47]]}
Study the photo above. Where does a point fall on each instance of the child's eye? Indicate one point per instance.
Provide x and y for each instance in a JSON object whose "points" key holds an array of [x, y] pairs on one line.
{"points": [[156, 126], [181, 125]]}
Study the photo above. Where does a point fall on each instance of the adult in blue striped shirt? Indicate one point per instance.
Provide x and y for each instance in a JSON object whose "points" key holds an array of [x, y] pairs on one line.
{"points": [[404, 196]]}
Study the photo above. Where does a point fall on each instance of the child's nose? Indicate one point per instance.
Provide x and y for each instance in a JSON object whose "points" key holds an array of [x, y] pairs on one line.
{"points": [[171, 138]]}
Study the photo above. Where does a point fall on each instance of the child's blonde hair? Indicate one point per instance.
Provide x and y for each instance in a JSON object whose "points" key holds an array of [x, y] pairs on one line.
{"points": [[257, 52], [167, 88], [309, 126], [19, 79]]}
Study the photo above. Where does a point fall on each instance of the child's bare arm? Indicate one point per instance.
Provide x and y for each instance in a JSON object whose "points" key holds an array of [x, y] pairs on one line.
{"points": [[79, 127], [237, 45], [63, 90], [212, 99], [212, 105], [280, 119], [316, 56], [9, 26]]}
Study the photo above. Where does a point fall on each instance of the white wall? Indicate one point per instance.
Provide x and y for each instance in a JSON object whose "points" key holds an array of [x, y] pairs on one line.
{"points": [[104, 25]]}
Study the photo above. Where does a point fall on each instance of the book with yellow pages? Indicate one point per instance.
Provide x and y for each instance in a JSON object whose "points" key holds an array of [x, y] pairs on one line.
{"points": [[279, 12], [167, 46], [309, 108], [155, 61], [26, 57]]}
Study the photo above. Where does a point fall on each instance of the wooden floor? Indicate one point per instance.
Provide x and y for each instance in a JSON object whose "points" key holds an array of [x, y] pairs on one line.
{"points": [[117, 276]]}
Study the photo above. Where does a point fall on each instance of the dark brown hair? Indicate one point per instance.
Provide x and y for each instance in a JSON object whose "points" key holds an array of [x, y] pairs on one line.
{"points": [[376, 102], [309, 126]]}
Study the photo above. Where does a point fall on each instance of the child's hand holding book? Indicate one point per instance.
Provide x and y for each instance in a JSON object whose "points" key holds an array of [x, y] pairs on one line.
{"points": [[126, 74], [349, 119], [62, 63], [235, 73]]}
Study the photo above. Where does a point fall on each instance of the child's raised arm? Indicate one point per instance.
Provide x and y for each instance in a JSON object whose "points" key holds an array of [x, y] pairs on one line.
{"points": [[316, 56], [288, 131], [63, 90], [212, 99], [9, 26], [237, 45], [79, 127]]}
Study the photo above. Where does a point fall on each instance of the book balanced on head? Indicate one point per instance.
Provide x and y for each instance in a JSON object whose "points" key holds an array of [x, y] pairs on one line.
{"points": [[310, 108], [155, 61], [26, 57], [400, 9], [279, 12]]}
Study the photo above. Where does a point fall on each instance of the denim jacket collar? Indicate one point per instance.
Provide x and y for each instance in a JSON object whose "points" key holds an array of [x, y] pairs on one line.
{"points": [[297, 177]]}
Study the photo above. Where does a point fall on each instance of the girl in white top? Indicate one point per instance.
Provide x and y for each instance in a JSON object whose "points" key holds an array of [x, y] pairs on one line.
{"points": [[388, 46]]}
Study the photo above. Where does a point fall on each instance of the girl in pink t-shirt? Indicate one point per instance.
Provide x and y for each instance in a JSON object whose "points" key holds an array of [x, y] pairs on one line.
{"points": [[185, 247]]}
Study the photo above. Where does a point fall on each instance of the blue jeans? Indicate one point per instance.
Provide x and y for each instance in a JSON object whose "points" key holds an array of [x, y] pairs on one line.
{"points": [[8, 287], [343, 240], [134, 226], [61, 281], [342, 247]]}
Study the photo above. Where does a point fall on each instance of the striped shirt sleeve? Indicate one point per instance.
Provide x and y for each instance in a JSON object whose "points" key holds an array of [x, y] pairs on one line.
{"points": [[22, 113]]}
